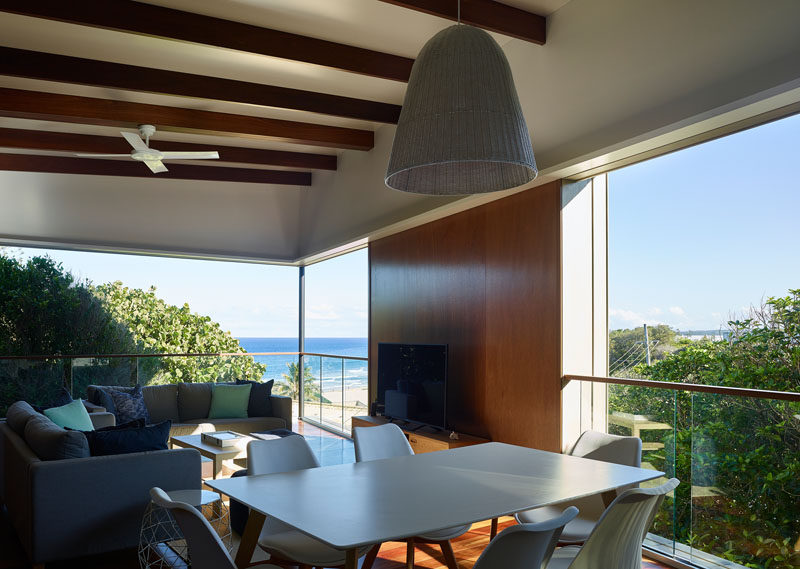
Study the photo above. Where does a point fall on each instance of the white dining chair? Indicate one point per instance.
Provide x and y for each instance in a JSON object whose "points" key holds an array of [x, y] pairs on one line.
{"points": [[597, 446], [616, 540], [206, 550], [388, 441], [283, 543], [525, 546]]}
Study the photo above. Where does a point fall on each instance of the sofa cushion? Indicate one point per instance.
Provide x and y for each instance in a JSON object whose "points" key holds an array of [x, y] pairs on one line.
{"points": [[129, 406], [162, 402], [73, 415], [62, 398], [51, 442], [229, 401], [260, 404], [133, 437], [194, 400], [18, 415]]}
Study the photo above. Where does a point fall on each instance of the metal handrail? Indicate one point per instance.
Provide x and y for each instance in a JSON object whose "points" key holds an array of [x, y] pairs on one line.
{"points": [[189, 354], [718, 389]]}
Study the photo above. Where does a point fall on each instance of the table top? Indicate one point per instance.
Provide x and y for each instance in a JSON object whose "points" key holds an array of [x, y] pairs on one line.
{"points": [[209, 450], [352, 505]]}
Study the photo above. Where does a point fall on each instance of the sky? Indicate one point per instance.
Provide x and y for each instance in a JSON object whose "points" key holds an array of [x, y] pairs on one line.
{"points": [[698, 236], [248, 300]]}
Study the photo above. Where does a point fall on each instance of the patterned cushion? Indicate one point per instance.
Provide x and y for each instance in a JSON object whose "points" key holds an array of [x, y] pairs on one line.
{"points": [[129, 407]]}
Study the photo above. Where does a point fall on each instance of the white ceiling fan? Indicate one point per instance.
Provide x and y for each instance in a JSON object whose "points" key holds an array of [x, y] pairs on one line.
{"points": [[151, 157]]}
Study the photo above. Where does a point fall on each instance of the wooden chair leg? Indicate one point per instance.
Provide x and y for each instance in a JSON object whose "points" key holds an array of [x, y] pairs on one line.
{"points": [[449, 557], [369, 558], [410, 553], [493, 532]]}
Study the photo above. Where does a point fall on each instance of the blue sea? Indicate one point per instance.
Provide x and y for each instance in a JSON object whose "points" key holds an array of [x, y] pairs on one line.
{"points": [[333, 371]]}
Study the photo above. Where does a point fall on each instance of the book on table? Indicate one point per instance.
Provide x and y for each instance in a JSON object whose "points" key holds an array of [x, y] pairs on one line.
{"points": [[221, 438]]}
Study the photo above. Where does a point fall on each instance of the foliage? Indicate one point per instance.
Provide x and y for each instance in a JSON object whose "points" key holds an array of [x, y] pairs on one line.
{"points": [[45, 311], [290, 385], [158, 327], [626, 348], [738, 457]]}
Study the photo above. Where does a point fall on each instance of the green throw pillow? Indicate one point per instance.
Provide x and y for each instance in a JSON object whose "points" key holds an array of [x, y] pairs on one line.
{"points": [[229, 402], [71, 416]]}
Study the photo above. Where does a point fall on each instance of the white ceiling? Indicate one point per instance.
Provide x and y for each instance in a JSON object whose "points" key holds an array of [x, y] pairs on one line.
{"points": [[613, 76]]}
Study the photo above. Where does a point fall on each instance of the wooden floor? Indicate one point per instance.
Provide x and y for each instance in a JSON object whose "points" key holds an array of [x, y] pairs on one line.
{"points": [[330, 449]]}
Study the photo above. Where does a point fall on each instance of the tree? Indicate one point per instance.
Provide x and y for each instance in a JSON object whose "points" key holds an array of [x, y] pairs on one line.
{"points": [[626, 347], [158, 327], [290, 385], [744, 451]]}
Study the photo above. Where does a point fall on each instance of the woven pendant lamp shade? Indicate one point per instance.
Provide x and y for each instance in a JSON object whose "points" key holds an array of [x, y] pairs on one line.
{"points": [[461, 130]]}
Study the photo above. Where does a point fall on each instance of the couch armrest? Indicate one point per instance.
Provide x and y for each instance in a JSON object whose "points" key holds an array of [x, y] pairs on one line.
{"points": [[92, 408], [104, 419], [282, 407], [92, 505]]}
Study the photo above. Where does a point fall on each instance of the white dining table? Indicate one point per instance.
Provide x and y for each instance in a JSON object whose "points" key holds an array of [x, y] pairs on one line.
{"points": [[349, 506]]}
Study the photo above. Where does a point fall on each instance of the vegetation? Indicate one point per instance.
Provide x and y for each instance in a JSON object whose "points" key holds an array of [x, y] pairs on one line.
{"points": [[738, 458], [290, 385], [44, 310]]}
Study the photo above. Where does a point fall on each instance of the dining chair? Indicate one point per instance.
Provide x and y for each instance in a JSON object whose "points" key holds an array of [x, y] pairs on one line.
{"points": [[206, 550], [525, 546], [616, 540], [387, 441], [285, 544], [598, 446]]}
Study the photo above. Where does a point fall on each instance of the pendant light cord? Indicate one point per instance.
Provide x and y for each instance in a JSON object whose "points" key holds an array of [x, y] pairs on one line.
{"points": [[459, 11]]}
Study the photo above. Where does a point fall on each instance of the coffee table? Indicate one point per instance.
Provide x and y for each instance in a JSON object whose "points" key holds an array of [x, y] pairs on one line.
{"points": [[217, 454], [352, 505]]}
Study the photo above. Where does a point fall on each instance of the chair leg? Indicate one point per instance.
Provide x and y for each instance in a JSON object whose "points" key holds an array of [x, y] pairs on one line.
{"points": [[369, 558], [410, 553], [449, 557], [493, 532]]}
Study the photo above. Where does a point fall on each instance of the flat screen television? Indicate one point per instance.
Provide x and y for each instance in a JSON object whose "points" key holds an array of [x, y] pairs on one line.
{"points": [[412, 382]]}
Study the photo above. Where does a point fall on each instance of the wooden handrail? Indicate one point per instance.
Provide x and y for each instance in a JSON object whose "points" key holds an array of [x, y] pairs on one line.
{"points": [[718, 389], [184, 355]]}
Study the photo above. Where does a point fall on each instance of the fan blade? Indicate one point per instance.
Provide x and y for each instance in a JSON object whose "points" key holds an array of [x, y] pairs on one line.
{"points": [[156, 166], [134, 140], [190, 155], [103, 155]]}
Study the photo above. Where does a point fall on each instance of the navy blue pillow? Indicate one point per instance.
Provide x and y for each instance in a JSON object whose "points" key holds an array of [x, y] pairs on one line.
{"points": [[119, 440], [63, 398], [129, 406], [103, 399], [259, 404]]}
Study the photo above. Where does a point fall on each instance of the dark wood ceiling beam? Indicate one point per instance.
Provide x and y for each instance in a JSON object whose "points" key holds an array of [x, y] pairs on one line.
{"points": [[36, 105], [146, 19], [486, 14], [65, 69], [103, 167], [70, 142]]}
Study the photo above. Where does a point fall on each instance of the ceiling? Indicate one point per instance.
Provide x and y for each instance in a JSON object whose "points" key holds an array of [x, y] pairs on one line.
{"points": [[304, 146]]}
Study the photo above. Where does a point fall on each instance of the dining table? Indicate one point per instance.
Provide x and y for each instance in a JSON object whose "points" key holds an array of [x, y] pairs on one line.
{"points": [[350, 506]]}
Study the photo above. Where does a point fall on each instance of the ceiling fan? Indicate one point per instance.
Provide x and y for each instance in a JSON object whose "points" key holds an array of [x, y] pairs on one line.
{"points": [[151, 157]]}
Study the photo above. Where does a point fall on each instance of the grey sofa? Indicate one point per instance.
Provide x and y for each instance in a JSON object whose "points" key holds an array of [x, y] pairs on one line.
{"points": [[187, 406], [62, 508]]}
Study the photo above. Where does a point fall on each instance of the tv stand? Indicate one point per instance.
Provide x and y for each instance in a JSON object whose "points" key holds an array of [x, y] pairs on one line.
{"points": [[422, 442]]}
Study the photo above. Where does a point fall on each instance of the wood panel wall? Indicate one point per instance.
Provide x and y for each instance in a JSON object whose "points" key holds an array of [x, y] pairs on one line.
{"points": [[487, 282]]}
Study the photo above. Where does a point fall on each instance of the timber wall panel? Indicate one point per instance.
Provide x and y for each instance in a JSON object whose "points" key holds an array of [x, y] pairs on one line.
{"points": [[487, 282]]}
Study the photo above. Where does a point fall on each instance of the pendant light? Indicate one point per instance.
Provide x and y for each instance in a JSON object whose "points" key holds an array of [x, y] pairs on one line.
{"points": [[461, 128]]}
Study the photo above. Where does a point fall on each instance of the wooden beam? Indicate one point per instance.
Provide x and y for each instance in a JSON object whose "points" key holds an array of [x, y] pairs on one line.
{"points": [[486, 14], [36, 105], [146, 19], [103, 167], [65, 69], [70, 142]]}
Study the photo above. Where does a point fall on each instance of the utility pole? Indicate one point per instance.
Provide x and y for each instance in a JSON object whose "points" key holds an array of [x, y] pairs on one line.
{"points": [[647, 344]]}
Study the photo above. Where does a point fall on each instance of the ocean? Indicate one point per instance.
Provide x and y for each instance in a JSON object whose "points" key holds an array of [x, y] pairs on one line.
{"points": [[331, 370]]}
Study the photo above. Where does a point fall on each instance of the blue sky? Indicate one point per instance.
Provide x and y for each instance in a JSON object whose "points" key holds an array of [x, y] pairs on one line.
{"points": [[246, 299], [701, 234]]}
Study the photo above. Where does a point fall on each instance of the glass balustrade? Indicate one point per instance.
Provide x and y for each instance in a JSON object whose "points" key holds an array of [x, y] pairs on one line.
{"points": [[738, 460], [334, 388]]}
